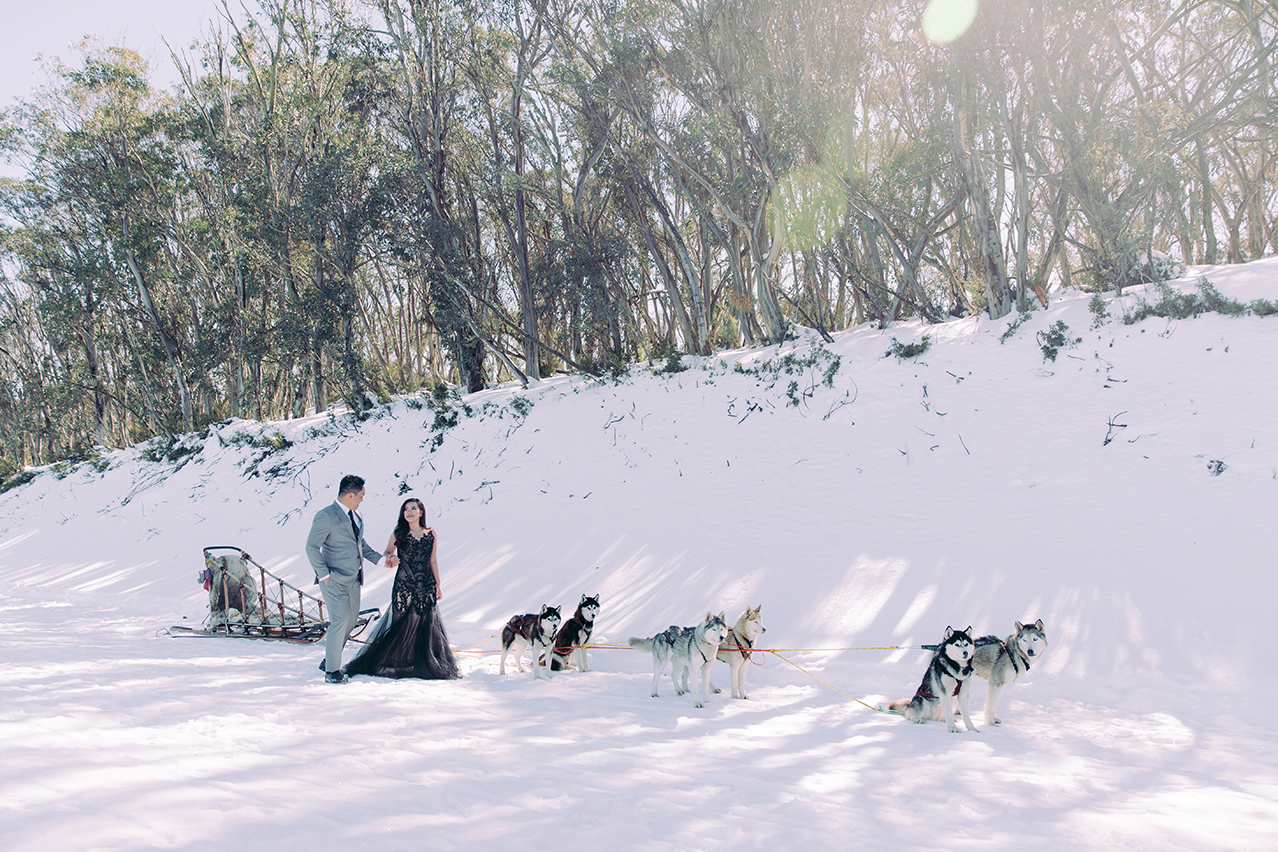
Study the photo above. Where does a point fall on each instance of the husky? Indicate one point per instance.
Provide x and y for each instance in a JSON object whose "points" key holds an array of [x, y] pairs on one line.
{"points": [[533, 630], [1003, 661], [735, 649], [573, 637], [685, 648], [948, 674]]}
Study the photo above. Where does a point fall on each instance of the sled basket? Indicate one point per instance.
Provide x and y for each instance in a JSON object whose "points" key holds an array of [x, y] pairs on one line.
{"points": [[249, 602]]}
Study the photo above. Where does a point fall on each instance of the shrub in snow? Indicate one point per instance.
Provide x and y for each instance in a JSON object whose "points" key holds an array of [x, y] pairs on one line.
{"points": [[1054, 338], [1155, 266]]}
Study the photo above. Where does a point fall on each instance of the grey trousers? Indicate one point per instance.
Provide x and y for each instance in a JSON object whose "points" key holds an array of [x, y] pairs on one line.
{"points": [[342, 602]]}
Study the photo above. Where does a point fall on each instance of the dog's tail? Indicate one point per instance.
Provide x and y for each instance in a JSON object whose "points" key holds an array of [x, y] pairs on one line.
{"points": [[899, 706], [640, 643]]}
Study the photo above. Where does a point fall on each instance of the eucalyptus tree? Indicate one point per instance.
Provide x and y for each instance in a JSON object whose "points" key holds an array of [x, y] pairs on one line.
{"points": [[428, 110], [502, 57], [102, 178], [586, 256], [265, 98], [1216, 63]]}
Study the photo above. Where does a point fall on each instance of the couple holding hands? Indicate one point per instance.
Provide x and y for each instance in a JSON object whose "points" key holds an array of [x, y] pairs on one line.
{"points": [[409, 639]]}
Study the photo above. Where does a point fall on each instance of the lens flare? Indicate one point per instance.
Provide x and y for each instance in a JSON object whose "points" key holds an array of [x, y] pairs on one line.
{"points": [[945, 20]]}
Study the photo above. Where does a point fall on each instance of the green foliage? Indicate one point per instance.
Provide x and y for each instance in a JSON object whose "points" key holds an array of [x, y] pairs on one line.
{"points": [[1056, 336], [275, 442], [818, 358], [1013, 327], [448, 407], [1172, 304], [1100, 310], [792, 393], [18, 479], [171, 448], [445, 418], [674, 364], [1264, 307], [902, 351], [520, 406], [607, 367], [92, 457]]}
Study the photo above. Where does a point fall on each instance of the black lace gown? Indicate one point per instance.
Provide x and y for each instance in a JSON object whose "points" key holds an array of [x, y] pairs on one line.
{"points": [[409, 641]]}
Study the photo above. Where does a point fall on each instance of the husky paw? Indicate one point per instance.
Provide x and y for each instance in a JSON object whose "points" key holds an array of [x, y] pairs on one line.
{"points": [[716, 690]]}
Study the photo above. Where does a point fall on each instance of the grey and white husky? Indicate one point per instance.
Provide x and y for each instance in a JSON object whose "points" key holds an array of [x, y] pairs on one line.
{"points": [[531, 630], [685, 648], [571, 640], [736, 648], [948, 674], [1004, 661]]}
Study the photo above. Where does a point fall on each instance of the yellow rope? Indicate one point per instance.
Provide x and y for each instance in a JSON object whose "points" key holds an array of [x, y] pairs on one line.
{"points": [[827, 683], [477, 644], [617, 646], [879, 648]]}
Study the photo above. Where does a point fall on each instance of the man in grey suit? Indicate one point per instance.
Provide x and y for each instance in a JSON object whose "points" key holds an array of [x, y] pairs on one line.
{"points": [[337, 550]]}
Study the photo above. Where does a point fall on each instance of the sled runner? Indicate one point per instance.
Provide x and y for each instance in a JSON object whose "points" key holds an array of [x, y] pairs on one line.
{"points": [[252, 603]]}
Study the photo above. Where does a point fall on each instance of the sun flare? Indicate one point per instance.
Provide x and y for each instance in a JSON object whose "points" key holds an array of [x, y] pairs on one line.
{"points": [[945, 21]]}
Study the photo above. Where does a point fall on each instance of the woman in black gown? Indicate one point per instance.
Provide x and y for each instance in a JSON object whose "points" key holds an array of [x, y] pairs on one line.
{"points": [[409, 640]]}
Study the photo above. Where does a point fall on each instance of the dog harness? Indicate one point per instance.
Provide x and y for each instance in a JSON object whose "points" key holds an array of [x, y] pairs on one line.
{"points": [[526, 625], [949, 667], [740, 643], [1018, 658]]}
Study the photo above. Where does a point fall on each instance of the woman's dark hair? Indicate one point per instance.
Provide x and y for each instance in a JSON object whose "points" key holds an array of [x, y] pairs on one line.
{"points": [[401, 526]]}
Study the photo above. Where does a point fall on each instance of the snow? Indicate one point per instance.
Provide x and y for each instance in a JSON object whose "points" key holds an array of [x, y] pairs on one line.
{"points": [[972, 485]]}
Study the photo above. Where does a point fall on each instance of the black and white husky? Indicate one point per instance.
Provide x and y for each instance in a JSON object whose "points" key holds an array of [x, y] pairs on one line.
{"points": [[573, 636], [685, 648], [532, 630], [948, 674], [735, 650], [1004, 661]]}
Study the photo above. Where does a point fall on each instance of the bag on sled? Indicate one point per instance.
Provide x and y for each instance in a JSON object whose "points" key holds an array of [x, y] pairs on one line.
{"points": [[248, 601]]}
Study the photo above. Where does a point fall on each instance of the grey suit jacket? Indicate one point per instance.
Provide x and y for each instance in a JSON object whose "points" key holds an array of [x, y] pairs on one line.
{"points": [[332, 548]]}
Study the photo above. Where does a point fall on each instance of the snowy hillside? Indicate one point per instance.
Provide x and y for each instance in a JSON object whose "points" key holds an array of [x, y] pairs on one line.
{"points": [[1125, 492]]}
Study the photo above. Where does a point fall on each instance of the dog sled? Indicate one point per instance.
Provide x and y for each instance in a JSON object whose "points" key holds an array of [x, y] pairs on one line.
{"points": [[249, 602]]}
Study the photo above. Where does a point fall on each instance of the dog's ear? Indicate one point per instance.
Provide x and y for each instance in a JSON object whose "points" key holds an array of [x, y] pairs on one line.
{"points": [[1038, 625], [949, 631], [968, 631]]}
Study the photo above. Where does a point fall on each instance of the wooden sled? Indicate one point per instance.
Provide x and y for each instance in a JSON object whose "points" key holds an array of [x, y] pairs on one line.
{"points": [[252, 603]]}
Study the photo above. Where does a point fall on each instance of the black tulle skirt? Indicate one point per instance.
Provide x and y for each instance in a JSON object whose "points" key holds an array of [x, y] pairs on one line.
{"points": [[412, 644]]}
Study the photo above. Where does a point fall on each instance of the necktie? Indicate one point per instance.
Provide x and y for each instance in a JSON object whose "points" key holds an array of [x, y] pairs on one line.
{"points": [[354, 526]]}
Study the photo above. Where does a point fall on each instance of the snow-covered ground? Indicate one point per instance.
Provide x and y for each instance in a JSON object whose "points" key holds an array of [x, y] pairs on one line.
{"points": [[1125, 493]]}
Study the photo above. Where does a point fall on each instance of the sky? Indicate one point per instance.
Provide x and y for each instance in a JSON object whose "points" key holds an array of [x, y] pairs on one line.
{"points": [[49, 28], [1124, 492]]}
